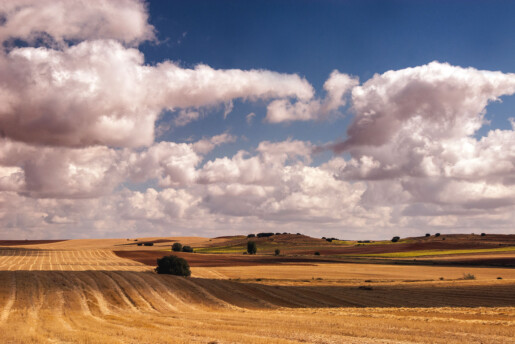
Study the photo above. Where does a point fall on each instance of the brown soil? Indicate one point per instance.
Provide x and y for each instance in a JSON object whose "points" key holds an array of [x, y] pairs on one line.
{"points": [[212, 260], [392, 248]]}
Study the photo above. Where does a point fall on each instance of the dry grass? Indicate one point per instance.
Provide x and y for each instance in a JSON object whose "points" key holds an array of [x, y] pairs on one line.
{"points": [[351, 272], [92, 296]]}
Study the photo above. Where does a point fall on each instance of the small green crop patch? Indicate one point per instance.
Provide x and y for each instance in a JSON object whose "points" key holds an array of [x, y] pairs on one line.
{"points": [[222, 249], [421, 253]]}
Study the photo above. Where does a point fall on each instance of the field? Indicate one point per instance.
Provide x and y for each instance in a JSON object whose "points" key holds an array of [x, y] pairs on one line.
{"points": [[81, 291]]}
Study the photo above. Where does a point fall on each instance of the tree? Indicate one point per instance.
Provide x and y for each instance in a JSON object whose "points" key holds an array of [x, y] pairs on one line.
{"points": [[251, 247], [277, 251], [187, 248], [173, 265], [395, 239], [177, 247]]}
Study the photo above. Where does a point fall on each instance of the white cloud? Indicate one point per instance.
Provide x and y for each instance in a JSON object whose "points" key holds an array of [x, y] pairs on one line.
{"points": [[338, 84], [99, 92], [184, 117], [414, 128], [206, 145], [250, 117], [436, 101], [71, 20]]}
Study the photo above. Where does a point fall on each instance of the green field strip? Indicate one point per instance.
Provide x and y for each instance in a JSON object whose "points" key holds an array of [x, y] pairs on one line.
{"points": [[422, 253]]}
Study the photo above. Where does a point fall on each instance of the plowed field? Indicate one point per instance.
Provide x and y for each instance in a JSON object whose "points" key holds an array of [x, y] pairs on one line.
{"points": [[93, 296]]}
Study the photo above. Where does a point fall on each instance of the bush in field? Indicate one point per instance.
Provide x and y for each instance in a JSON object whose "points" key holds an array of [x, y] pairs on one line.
{"points": [[437, 234], [251, 236], [395, 239], [264, 235], [277, 251], [187, 249], [483, 234], [173, 265], [428, 235], [251, 247], [317, 253], [177, 247], [469, 276], [148, 244]]}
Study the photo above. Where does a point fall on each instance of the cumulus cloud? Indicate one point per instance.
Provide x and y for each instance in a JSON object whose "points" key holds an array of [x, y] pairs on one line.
{"points": [[99, 92], [436, 100], [70, 20], [184, 117], [47, 172], [338, 84], [206, 145], [84, 85], [415, 128], [250, 117]]}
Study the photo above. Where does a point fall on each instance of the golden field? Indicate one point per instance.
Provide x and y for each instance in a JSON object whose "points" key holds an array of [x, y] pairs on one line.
{"points": [[79, 291]]}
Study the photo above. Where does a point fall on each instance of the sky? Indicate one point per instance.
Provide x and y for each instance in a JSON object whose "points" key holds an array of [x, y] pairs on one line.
{"points": [[347, 119]]}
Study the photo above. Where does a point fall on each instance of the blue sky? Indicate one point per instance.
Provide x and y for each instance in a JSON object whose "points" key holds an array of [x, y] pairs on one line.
{"points": [[350, 119]]}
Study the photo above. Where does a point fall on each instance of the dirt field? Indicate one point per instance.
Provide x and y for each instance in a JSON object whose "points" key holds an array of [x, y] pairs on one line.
{"points": [[79, 294]]}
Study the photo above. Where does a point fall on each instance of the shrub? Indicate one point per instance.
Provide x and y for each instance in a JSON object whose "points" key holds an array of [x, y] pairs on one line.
{"points": [[499, 277], [395, 239], [251, 247], [140, 244], [317, 253], [173, 265], [177, 247], [428, 235], [469, 276], [148, 244], [277, 251], [329, 240], [285, 233], [437, 234], [264, 235], [187, 249], [483, 234], [299, 234], [323, 238], [277, 233], [251, 236]]}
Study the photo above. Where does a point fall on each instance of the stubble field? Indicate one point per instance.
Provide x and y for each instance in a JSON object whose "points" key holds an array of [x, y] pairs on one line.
{"points": [[69, 292]]}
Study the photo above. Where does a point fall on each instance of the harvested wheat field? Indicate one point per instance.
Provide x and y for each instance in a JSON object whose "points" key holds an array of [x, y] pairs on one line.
{"points": [[68, 292]]}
